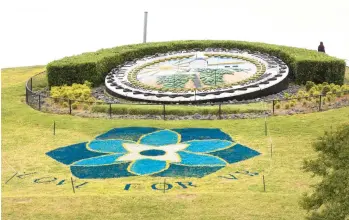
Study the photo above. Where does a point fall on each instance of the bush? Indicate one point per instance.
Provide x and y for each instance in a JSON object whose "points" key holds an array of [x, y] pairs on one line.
{"points": [[85, 106], [326, 89], [309, 85], [277, 106], [312, 91], [305, 65], [65, 104], [80, 92], [287, 105], [74, 105], [121, 109]]}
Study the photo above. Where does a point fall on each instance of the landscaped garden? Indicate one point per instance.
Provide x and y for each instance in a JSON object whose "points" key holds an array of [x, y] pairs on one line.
{"points": [[35, 186], [71, 150]]}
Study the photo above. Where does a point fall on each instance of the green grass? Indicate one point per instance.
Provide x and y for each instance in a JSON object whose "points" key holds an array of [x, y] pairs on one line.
{"points": [[27, 136]]}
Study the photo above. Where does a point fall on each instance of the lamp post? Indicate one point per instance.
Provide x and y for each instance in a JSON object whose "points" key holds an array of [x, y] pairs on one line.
{"points": [[145, 27]]}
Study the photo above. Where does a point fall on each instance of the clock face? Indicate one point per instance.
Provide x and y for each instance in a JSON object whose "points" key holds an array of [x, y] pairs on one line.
{"points": [[196, 71], [198, 76]]}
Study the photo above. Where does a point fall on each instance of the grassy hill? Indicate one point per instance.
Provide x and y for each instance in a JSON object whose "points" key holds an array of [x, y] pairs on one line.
{"points": [[28, 134]]}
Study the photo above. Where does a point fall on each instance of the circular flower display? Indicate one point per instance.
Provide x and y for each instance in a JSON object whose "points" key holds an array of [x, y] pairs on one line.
{"points": [[138, 151]]}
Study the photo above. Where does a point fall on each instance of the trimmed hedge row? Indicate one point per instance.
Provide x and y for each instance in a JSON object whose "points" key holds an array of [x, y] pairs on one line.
{"points": [[180, 110], [305, 65]]}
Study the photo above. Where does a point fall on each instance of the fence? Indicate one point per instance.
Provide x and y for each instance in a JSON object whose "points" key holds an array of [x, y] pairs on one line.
{"points": [[37, 96]]}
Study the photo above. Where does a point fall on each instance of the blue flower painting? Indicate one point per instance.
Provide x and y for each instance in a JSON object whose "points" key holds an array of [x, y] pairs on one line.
{"points": [[140, 151]]}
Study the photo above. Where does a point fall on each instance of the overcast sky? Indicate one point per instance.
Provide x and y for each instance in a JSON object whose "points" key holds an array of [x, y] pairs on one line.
{"points": [[36, 32]]}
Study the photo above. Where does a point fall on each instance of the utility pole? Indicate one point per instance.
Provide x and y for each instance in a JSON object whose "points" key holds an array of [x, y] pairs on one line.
{"points": [[145, 27]]}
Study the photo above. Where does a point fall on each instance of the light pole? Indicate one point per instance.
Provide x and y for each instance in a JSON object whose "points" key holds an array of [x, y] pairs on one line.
{"points": [[145, 27]]}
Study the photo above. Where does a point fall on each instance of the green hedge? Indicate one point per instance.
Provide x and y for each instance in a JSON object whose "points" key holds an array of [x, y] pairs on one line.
{"points": [[305, 65], [180, 110]]}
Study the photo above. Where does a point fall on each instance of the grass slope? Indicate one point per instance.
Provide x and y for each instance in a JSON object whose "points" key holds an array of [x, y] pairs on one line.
{"points": [[27, 136]]}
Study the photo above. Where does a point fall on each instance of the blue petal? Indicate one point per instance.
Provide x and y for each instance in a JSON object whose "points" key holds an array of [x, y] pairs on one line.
{"points": [[108, 146], [97, 161], [127, 133], [193, 159], [147, 166], [236, 153], [188, 134], [70, 154], [188, 171], [115, 170], [159, 138], [205, 146]]}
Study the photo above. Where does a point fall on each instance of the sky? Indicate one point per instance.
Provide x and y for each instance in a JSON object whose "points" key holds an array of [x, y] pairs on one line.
{"points": [[36, 32]]}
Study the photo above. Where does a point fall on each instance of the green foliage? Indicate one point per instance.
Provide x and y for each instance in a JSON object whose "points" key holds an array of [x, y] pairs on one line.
{"points": [[287, 105], [81, 92], [292, 103], [85, 106], [326, 89], [286, 95], [65, 104], [174, 81], [277, 105], [304, 64], [74, 105], [213, 77], [309, 85], [330, 198], [76, 92], [120, 109]]}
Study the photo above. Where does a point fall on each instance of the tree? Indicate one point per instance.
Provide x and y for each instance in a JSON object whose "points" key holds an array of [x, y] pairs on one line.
{"points": [[330, 197]]}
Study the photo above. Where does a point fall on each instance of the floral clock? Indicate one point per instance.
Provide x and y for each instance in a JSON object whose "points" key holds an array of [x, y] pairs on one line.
{"points": [[139, 151]]}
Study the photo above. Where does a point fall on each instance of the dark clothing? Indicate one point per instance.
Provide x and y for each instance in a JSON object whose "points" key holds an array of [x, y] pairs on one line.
{"points": [[321, 48]]}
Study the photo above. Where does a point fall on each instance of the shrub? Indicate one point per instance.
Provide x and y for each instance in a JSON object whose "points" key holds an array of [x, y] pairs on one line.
{"points": [[339, 94], [335, 88], [176, 110], [309, 85], [345, 89], [81, 92], [286, 95], [305, 65], [326, 89], [312, 91], [329, 98], [277, 106], [287, 105], [74, 105], [65, 104], [85, 106]]}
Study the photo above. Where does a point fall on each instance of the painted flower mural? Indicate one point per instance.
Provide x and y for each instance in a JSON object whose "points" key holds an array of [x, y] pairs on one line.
{"points": [[138, 151]]}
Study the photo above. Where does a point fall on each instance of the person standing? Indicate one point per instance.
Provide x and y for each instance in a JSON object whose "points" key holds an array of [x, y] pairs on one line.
{"points": [[321, 47]]}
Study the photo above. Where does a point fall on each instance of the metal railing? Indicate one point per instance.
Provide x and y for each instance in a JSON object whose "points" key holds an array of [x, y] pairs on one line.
{"points": [[39, 100]]}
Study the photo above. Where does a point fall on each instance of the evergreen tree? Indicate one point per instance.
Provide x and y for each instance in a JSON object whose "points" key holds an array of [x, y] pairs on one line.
{"points": [[330, 197]]}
